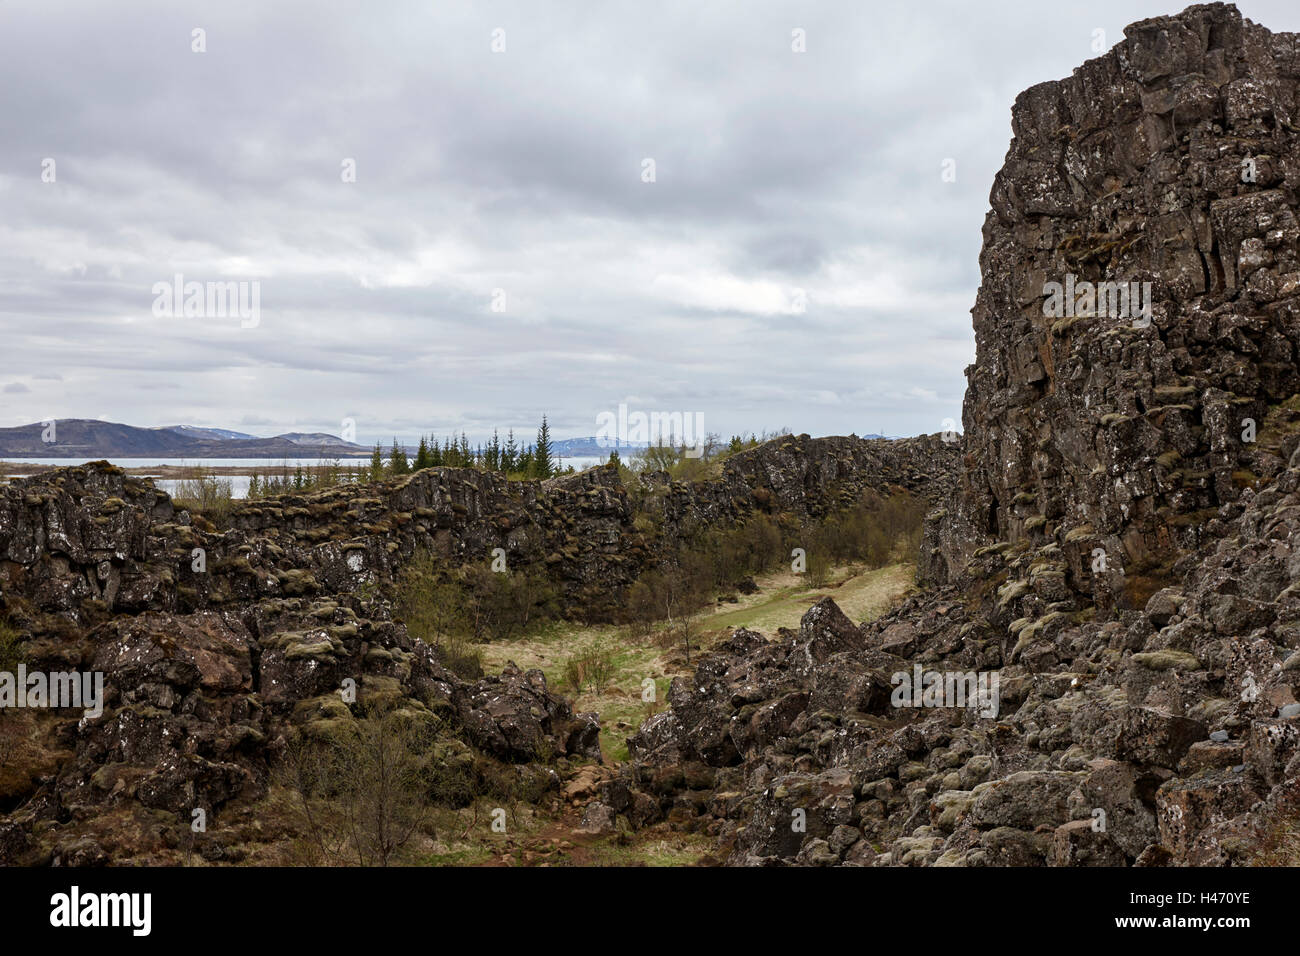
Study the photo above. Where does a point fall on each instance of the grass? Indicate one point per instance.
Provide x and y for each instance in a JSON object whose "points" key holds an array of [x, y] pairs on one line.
{"points": [[781, 601], [658, 849], [784, 598]]}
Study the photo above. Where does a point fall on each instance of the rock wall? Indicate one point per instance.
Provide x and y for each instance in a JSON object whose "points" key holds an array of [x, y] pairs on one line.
{"points": [[1172, 160], [1122, 547]]}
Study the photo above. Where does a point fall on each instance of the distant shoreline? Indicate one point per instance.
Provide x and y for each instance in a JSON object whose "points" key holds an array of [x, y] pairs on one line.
{"points": [[20, 469]]}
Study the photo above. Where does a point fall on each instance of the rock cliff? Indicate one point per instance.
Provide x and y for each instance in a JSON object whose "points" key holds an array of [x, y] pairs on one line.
{"points": [[1122, 547]]}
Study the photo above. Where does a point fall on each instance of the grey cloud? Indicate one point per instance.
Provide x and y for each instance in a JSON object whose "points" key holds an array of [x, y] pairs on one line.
{"points": [[519, 171]]}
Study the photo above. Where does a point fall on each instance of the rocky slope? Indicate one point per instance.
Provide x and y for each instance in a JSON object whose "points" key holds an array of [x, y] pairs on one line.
{"points": [[1122, 548], [219, 648]]}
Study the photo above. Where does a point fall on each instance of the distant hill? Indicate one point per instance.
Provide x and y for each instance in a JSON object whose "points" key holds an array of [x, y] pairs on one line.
{"points": [[592, 446], [195, 431], [88, 439]]}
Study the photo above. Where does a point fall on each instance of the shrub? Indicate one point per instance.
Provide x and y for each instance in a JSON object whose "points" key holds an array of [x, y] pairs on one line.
{"points": [[455, 610], [363, 791], [12, 652], [591, 669], [206, 494], [433, 609]]}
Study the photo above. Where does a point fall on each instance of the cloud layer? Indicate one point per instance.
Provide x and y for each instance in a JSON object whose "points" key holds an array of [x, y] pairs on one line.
{"points": [[799, 259]]}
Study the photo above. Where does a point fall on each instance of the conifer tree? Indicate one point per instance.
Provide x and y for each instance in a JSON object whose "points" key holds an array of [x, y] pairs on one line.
{"points": [[377, 463], [397, 463], [543, 457], [510, 454], [422, 460]]}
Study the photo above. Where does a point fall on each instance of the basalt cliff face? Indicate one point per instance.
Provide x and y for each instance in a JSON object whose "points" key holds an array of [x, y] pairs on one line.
{"points": [[1171, 161], [219, 648], [1122, 548]]}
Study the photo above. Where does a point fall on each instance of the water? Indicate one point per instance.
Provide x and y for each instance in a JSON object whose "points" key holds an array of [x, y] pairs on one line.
{"points": [[266, 466], [267, 463], [582, 463]]}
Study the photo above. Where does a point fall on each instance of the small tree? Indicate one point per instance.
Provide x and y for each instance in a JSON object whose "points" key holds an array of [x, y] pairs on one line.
{"points": [[422, 457], [510, 453], [543, 456], [377, 463], [397, 463], [363, 789]]}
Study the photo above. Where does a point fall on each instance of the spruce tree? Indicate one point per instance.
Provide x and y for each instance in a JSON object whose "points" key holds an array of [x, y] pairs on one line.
{"points": [[510, 454], [543, 457], [422, 459], [397, 463], [377, 463]]}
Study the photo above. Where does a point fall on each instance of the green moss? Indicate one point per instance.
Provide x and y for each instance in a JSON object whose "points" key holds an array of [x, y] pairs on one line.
{"points": [[1166, 660]]}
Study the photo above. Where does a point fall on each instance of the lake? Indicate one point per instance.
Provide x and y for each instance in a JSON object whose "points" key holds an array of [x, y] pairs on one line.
{"points": [[239, 483]]}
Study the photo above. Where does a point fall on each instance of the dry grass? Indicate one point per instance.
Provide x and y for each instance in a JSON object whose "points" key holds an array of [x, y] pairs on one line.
{"points": [[781, 601]]}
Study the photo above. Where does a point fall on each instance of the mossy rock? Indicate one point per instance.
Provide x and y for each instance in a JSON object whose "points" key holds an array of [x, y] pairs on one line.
{"points": [[297, 582], [1168, 660]]}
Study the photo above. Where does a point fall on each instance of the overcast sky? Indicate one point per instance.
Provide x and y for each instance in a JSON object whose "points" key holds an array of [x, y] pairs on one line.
{"points": [[797, 261]]}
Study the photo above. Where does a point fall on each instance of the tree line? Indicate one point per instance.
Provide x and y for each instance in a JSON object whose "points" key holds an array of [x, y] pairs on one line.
{"points": [[508, 457]]}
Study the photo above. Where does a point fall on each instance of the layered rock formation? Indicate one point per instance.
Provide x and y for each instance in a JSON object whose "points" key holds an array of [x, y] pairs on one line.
{"points": [[1122, 549], [217, 648], [1171, 160]]}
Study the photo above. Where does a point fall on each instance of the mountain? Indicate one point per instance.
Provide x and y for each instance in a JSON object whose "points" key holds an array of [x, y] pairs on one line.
{"points": [[196, 431], [88, 439]]}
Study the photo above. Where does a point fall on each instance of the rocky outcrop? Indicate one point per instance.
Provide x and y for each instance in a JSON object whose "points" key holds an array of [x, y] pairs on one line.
{"points": [[1123, 542], [1172, 161], [218, 648]]}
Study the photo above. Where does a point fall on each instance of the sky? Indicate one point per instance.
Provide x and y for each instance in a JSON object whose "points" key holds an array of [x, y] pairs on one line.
{"points": [[464, 214]]}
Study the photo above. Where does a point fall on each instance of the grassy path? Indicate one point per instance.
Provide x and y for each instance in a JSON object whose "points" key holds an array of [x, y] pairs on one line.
{"points": [[781, 601]]}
